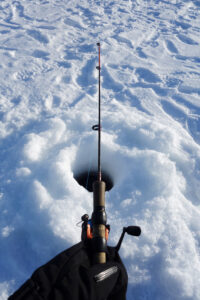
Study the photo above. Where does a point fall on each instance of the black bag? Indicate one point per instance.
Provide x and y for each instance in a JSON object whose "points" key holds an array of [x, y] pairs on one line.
{"points": [[71, 276]]}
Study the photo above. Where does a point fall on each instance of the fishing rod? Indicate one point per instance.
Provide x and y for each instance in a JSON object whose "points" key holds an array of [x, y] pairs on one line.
{"points": [[99, 218], [95, 231]]}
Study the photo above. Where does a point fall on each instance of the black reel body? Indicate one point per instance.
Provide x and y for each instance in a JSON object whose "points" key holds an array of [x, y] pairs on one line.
{"points": [[86, 235], [87, 230]]}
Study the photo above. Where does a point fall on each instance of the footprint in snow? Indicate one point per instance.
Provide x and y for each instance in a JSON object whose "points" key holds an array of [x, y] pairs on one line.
{"points": [[16, 100], [123, 40], [73, 24], [109, 82], [87, 74], [9, 19], [87, 48], [173, 82], [64, 64], [147, 75], [183, 25], [171, 47], [140, 53], [71, 54], [40, 54], [37, 35], [23, 75], [185, 39], [20, 10]]}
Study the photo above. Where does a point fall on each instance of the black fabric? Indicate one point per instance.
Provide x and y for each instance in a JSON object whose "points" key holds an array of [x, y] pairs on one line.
{"points": [[71, 275]]}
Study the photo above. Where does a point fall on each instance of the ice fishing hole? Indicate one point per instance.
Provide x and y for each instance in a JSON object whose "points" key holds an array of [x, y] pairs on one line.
{"points": [[86, 179]]}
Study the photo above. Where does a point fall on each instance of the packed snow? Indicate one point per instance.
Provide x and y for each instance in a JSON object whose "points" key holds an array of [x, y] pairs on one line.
{"points": [[150, 141]]}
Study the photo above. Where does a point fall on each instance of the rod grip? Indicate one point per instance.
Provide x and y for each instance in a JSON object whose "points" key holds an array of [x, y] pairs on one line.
{"points": [[99, 219]]}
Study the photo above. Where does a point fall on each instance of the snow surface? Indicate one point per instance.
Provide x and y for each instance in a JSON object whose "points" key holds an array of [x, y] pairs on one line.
{"points": [[151, 137]]}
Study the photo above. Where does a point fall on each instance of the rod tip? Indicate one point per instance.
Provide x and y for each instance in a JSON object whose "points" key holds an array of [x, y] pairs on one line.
{"points": [[98, 44]]}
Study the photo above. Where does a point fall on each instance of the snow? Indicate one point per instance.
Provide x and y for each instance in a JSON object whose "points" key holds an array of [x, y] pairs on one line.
{"points": [[150, 139]]}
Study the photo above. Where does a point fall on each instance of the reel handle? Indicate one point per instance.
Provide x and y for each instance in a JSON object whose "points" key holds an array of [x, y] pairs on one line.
{"points": [[131, 230]]}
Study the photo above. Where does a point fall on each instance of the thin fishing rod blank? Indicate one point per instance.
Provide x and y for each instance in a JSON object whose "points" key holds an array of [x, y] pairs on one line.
{"points": [[98, 126], [99, 123]]}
